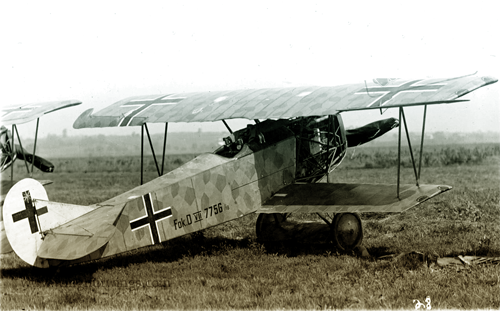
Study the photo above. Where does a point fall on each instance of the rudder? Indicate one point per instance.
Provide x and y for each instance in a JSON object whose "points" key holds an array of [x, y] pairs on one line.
{"points": [[27, 214]]}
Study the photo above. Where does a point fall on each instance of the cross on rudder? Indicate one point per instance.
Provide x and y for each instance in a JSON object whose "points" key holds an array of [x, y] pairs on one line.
{"points": [[30, 212]]}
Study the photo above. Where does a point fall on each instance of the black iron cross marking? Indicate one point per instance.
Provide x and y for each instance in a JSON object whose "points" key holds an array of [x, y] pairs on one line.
{"points": [[391, 91], [151, 218], [30, 212], [145, 104]]}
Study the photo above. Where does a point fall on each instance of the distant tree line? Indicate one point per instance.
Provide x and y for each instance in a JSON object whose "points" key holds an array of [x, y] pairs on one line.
{"points": [[55, 146]]}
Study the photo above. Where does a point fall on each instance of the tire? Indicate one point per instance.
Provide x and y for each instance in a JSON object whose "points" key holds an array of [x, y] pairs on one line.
{"points": [[347, 231], [268, 224]]}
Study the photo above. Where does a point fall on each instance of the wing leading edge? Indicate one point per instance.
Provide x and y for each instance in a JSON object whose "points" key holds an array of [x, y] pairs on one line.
{"points": [[279, 102], [348, 198]]}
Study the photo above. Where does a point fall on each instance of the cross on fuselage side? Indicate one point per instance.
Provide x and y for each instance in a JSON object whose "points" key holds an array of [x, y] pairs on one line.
{"points": [[151, 218], [392, 91], [30, 212], [143, 104]]}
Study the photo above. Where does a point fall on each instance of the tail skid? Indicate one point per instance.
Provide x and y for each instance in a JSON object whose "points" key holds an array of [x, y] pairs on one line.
{"points": [[28, 215]]}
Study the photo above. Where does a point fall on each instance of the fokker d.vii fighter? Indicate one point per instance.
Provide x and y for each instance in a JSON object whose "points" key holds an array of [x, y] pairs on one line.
{"points": [[277, 166], [9, 151]]}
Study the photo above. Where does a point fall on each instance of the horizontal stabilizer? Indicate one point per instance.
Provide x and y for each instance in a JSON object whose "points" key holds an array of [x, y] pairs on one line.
{"points": [[348, 198], [81, 236]]}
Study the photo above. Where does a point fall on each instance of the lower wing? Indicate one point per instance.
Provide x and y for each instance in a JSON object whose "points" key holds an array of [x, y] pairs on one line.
{"points": [[345, 198]]}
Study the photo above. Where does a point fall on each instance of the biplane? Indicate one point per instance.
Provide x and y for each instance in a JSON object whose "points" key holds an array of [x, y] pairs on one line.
{"points": [[277, 166], [9, 151]]}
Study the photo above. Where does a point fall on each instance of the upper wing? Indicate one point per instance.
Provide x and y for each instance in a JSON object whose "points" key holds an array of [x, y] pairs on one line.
{"points": [[348, 198], [25, 113], [279, 102]]}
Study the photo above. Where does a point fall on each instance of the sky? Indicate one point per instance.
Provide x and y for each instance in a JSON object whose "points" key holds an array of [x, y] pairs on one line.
{"points": [[103, 51]]}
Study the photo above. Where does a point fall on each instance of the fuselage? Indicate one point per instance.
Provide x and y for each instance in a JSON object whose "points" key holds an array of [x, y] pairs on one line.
{"points": [[222, 186], [254, 164]]}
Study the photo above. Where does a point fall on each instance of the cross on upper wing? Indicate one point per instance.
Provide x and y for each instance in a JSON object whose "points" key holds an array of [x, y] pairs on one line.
{"points": [[280, 102], [389, 92], [143, 104]]}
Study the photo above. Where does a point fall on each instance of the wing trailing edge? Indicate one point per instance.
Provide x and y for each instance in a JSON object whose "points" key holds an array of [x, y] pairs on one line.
{"points": [[406, 105]]}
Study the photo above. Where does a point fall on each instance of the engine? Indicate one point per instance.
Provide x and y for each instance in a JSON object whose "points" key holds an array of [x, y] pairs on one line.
{"points": [[321, 142], [321, 146]]}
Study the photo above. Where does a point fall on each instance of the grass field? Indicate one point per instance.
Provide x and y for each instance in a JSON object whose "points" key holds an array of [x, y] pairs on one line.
{"points": [[226, 268]]}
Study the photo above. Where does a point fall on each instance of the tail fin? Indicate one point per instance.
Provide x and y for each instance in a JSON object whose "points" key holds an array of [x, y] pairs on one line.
{"points": [[4, 189], [28, 215]]}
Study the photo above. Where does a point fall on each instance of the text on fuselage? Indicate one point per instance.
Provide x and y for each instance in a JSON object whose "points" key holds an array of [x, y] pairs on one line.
{"points": [[189, 219]]}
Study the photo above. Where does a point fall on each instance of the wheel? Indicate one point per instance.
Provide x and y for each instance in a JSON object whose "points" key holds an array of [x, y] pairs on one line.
{"points": [[347, 231], [268, 225]]}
